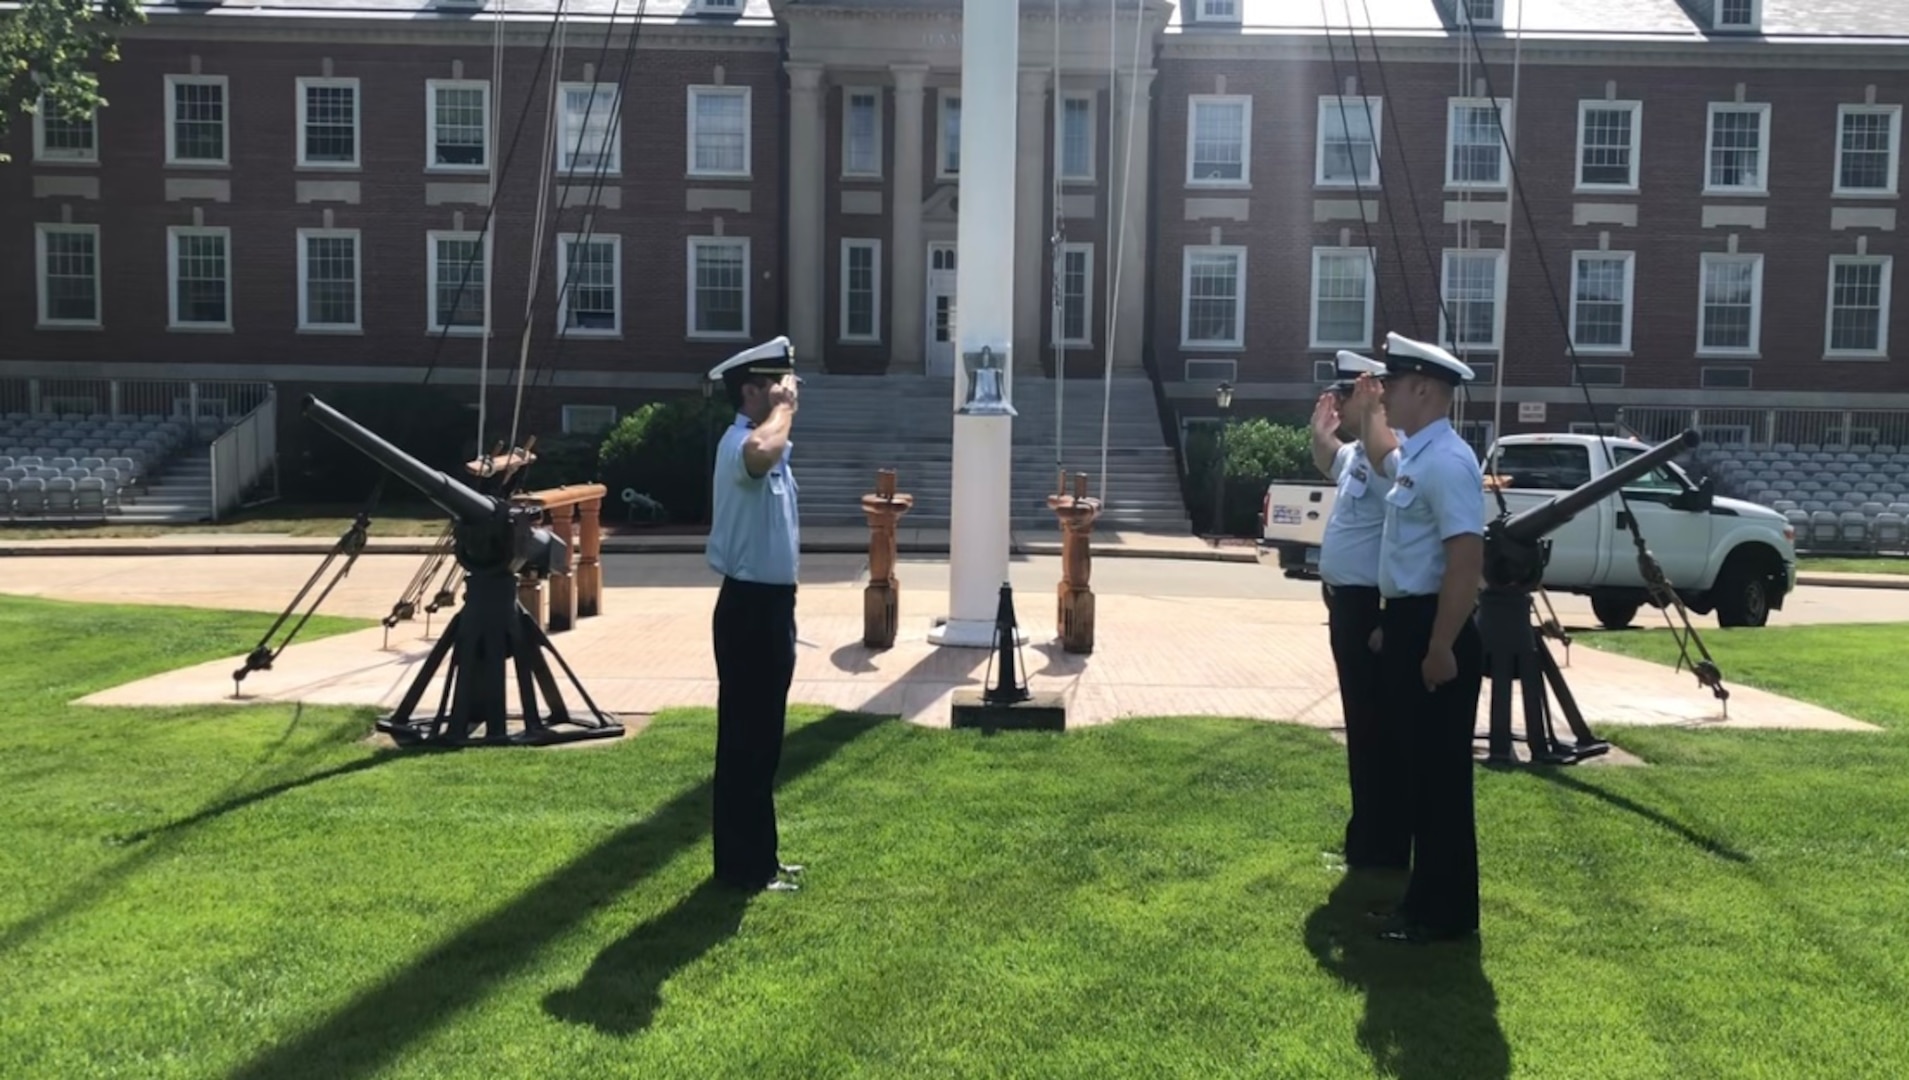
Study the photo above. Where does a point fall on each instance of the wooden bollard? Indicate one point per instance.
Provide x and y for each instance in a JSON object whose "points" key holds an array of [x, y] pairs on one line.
{"points": [[1075, 613], [563, 585], [881, 612]]}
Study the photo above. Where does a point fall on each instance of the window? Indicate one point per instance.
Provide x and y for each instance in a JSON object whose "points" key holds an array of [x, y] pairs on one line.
{"points": [[591, 130], [1541, 466], [329, 282], [1866, 159], [718, 287], [1077, 137], [1342, 297], [719, 131], [1212, 291], [60, 137], [718, 7], [1219, 140], [1858, 305], [459, 262], [1219, 11], [199, 277], [1479, 13], [861, 132], [589, 285], [328, 122], [195, 130], [1348, 150], [861, 292], [1730, 318], [68, 258], [1737, 14], [1475, 148], [1738, 139], [457, 124], [1075, 280], [588, 419], [1609, 133], [949, 155], [1601, 289], [1474, 289]]}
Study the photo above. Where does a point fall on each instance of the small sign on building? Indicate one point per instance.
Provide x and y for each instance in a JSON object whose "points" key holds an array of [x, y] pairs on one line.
{"points": [[1531, 412]]}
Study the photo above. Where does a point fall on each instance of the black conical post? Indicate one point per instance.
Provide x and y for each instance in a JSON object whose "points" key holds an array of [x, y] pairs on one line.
{"points": [[1007, 688]]}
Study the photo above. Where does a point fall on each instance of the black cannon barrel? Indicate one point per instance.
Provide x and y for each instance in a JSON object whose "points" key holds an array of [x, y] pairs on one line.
{"points": [[453, 498], [1539, 521]]}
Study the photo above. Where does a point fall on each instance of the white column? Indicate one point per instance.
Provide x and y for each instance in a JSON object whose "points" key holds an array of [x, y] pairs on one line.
{"points": [[1030, 237], [1131, 296], [984, 279], [808, 140], [907, 255]]}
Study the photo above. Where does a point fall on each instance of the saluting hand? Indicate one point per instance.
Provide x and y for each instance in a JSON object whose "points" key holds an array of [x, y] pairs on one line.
{"points": [[1366, 395], [1325, 414], [784, 393], [1439, 667]]}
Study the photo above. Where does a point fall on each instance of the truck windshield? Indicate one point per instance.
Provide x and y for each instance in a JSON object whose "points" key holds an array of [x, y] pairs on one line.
{"points": [[1542, 466], [1659, 479]]}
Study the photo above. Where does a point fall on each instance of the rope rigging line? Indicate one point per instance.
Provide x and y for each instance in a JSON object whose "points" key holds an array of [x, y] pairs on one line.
{"points": [[540, 226], [351, 544], [490, 196], [1119, 219], [1385, 192], [1358, 186], [1057, 237]]}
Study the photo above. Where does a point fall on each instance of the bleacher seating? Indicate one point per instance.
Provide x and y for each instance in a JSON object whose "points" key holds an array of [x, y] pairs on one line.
{"points": [[1840, 498], [76, 466]]}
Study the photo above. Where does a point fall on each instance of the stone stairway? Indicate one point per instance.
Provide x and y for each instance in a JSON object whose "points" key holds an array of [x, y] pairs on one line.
{"points": [[850, 426]]}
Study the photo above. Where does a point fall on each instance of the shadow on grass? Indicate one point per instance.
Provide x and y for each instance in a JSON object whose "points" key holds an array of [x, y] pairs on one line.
{"points": [[370, 1032], [1707, 844], [620, 992], [1430, 1012]]}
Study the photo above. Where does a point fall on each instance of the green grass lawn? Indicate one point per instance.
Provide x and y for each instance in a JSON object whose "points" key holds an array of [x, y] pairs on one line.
{"points": [[1828, 564], [253, 892]]}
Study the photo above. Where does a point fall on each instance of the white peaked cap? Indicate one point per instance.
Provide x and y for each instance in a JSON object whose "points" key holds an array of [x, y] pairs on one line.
{"points": [[1403, 355]]}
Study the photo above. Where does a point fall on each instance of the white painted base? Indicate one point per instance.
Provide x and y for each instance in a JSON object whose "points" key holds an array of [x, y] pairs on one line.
{"points": [[970, 634], [978, 541]]}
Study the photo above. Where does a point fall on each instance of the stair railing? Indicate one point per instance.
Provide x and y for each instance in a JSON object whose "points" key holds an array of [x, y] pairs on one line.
{"points": [[242, 455]]}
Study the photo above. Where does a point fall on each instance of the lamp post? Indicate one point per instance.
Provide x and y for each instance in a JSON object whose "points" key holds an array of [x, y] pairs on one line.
{"points": [[1223, 399]]}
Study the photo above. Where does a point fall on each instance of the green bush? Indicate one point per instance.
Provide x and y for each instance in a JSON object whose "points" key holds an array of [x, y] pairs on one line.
{"points": [[662, 450], [564, 459], [1256, 452], [424, 421]]}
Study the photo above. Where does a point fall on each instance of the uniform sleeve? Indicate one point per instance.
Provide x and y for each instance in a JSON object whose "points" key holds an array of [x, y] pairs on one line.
{"points": [[1342, 460], [731, 466], [1458, 497], [1389, 468]]}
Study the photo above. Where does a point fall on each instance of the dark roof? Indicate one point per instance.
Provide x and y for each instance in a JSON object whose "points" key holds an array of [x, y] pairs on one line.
{"points": [[1605, 19], [754, 13]]}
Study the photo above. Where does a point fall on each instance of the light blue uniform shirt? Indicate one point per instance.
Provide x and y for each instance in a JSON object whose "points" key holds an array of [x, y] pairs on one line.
{"points": [[1349, 551], [1438, 492], [754, 533]]}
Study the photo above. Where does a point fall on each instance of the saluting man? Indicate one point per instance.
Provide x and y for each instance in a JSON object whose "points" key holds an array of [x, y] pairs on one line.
{"points": [[1431, 560], [754, 544], [1377, 835]]}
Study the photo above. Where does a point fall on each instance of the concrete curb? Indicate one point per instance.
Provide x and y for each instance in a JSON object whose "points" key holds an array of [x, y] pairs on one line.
{"points": [[1868, 581]]}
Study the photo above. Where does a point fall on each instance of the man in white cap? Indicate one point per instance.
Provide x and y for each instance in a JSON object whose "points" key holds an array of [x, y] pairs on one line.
{"points": [[1431, 560], [754, 544], [1377, 837]]}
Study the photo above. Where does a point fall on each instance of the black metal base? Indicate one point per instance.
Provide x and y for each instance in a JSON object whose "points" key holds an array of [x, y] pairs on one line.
{"points": [[491, 634], [1035, 712], [1514, 653]]}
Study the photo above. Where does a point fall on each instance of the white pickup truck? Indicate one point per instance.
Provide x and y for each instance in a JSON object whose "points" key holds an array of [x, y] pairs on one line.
{"points": [[1735, 558]]}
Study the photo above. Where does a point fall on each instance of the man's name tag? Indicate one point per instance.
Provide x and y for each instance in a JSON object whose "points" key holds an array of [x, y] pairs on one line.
{"points": [[1355, 482]]}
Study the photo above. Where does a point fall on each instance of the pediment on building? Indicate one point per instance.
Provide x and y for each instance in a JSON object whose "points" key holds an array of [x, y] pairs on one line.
{"points": [[943, 204]]}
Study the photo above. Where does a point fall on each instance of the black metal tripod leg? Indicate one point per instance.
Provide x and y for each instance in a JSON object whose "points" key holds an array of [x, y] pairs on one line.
{"points": [[1566, 703], [409, 704], [543, 643], [1498, 745]]}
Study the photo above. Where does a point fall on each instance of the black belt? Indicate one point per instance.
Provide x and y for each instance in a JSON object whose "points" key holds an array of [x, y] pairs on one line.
{"points": [[1354, 590], [759, 586]]}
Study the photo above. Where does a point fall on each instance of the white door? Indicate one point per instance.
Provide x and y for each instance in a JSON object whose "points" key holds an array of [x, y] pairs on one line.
{"points": [[940, 322]]}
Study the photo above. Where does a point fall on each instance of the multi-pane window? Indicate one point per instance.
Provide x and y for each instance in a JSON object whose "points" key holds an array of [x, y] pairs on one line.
{"points": [[1475, 147], [328, 279], [459, 264], [1342, 297], [1736, 14], [1219, 140], [590, 284], [1608, 140], [591, 130], [457, 126], [60, 136], [1738, 158], [861, 290], [328, 122], [1601, 300], [200, 271], [1213, 289], [1074, 277], [719, 131], [1866, 157], [69, 275], [1473, 291], [861, 132], [950, 155], [1858, 305], [1348, 150], [1729, 319], [718, 287], [1077, 137], [196, 119]]}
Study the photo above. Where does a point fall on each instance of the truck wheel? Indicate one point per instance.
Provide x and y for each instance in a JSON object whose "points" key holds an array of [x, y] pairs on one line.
{"points": [[1614, 610], [1742, 592]]}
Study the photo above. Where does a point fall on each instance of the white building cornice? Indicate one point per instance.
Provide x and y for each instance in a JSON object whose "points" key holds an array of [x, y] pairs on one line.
{"points": [[517, 33]]}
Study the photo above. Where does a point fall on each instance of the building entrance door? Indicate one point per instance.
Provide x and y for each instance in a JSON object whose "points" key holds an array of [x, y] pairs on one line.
{"points": [[940, 321]]}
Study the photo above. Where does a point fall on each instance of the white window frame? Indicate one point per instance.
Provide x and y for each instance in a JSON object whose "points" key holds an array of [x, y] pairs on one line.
{"points": [[1219, 11], [1629, 259], [1497, 256], [874, 334], [568, 135], [173, 160], [571, 425], [1881, 351], [695, 94], [1505, 144], [565, 243], [876, 148], [1755, 23], [63, 157], [1894, 112], [1329, 103], [433, 322], [1193, 103], [40, 233], [306, 83], [1762, 184], [173, 233], [305, 323], [431, 88], [1463, 11], [944, 100], [1319, 255], [1086, 251], [1092, 101], [748, 291], [1755, 261], [1237, 252], [1636, 109]]}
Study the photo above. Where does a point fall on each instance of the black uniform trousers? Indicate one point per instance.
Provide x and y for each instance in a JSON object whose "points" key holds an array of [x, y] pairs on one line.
{"points": [[1436, 727], [755, 661], [1378, 836]]}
